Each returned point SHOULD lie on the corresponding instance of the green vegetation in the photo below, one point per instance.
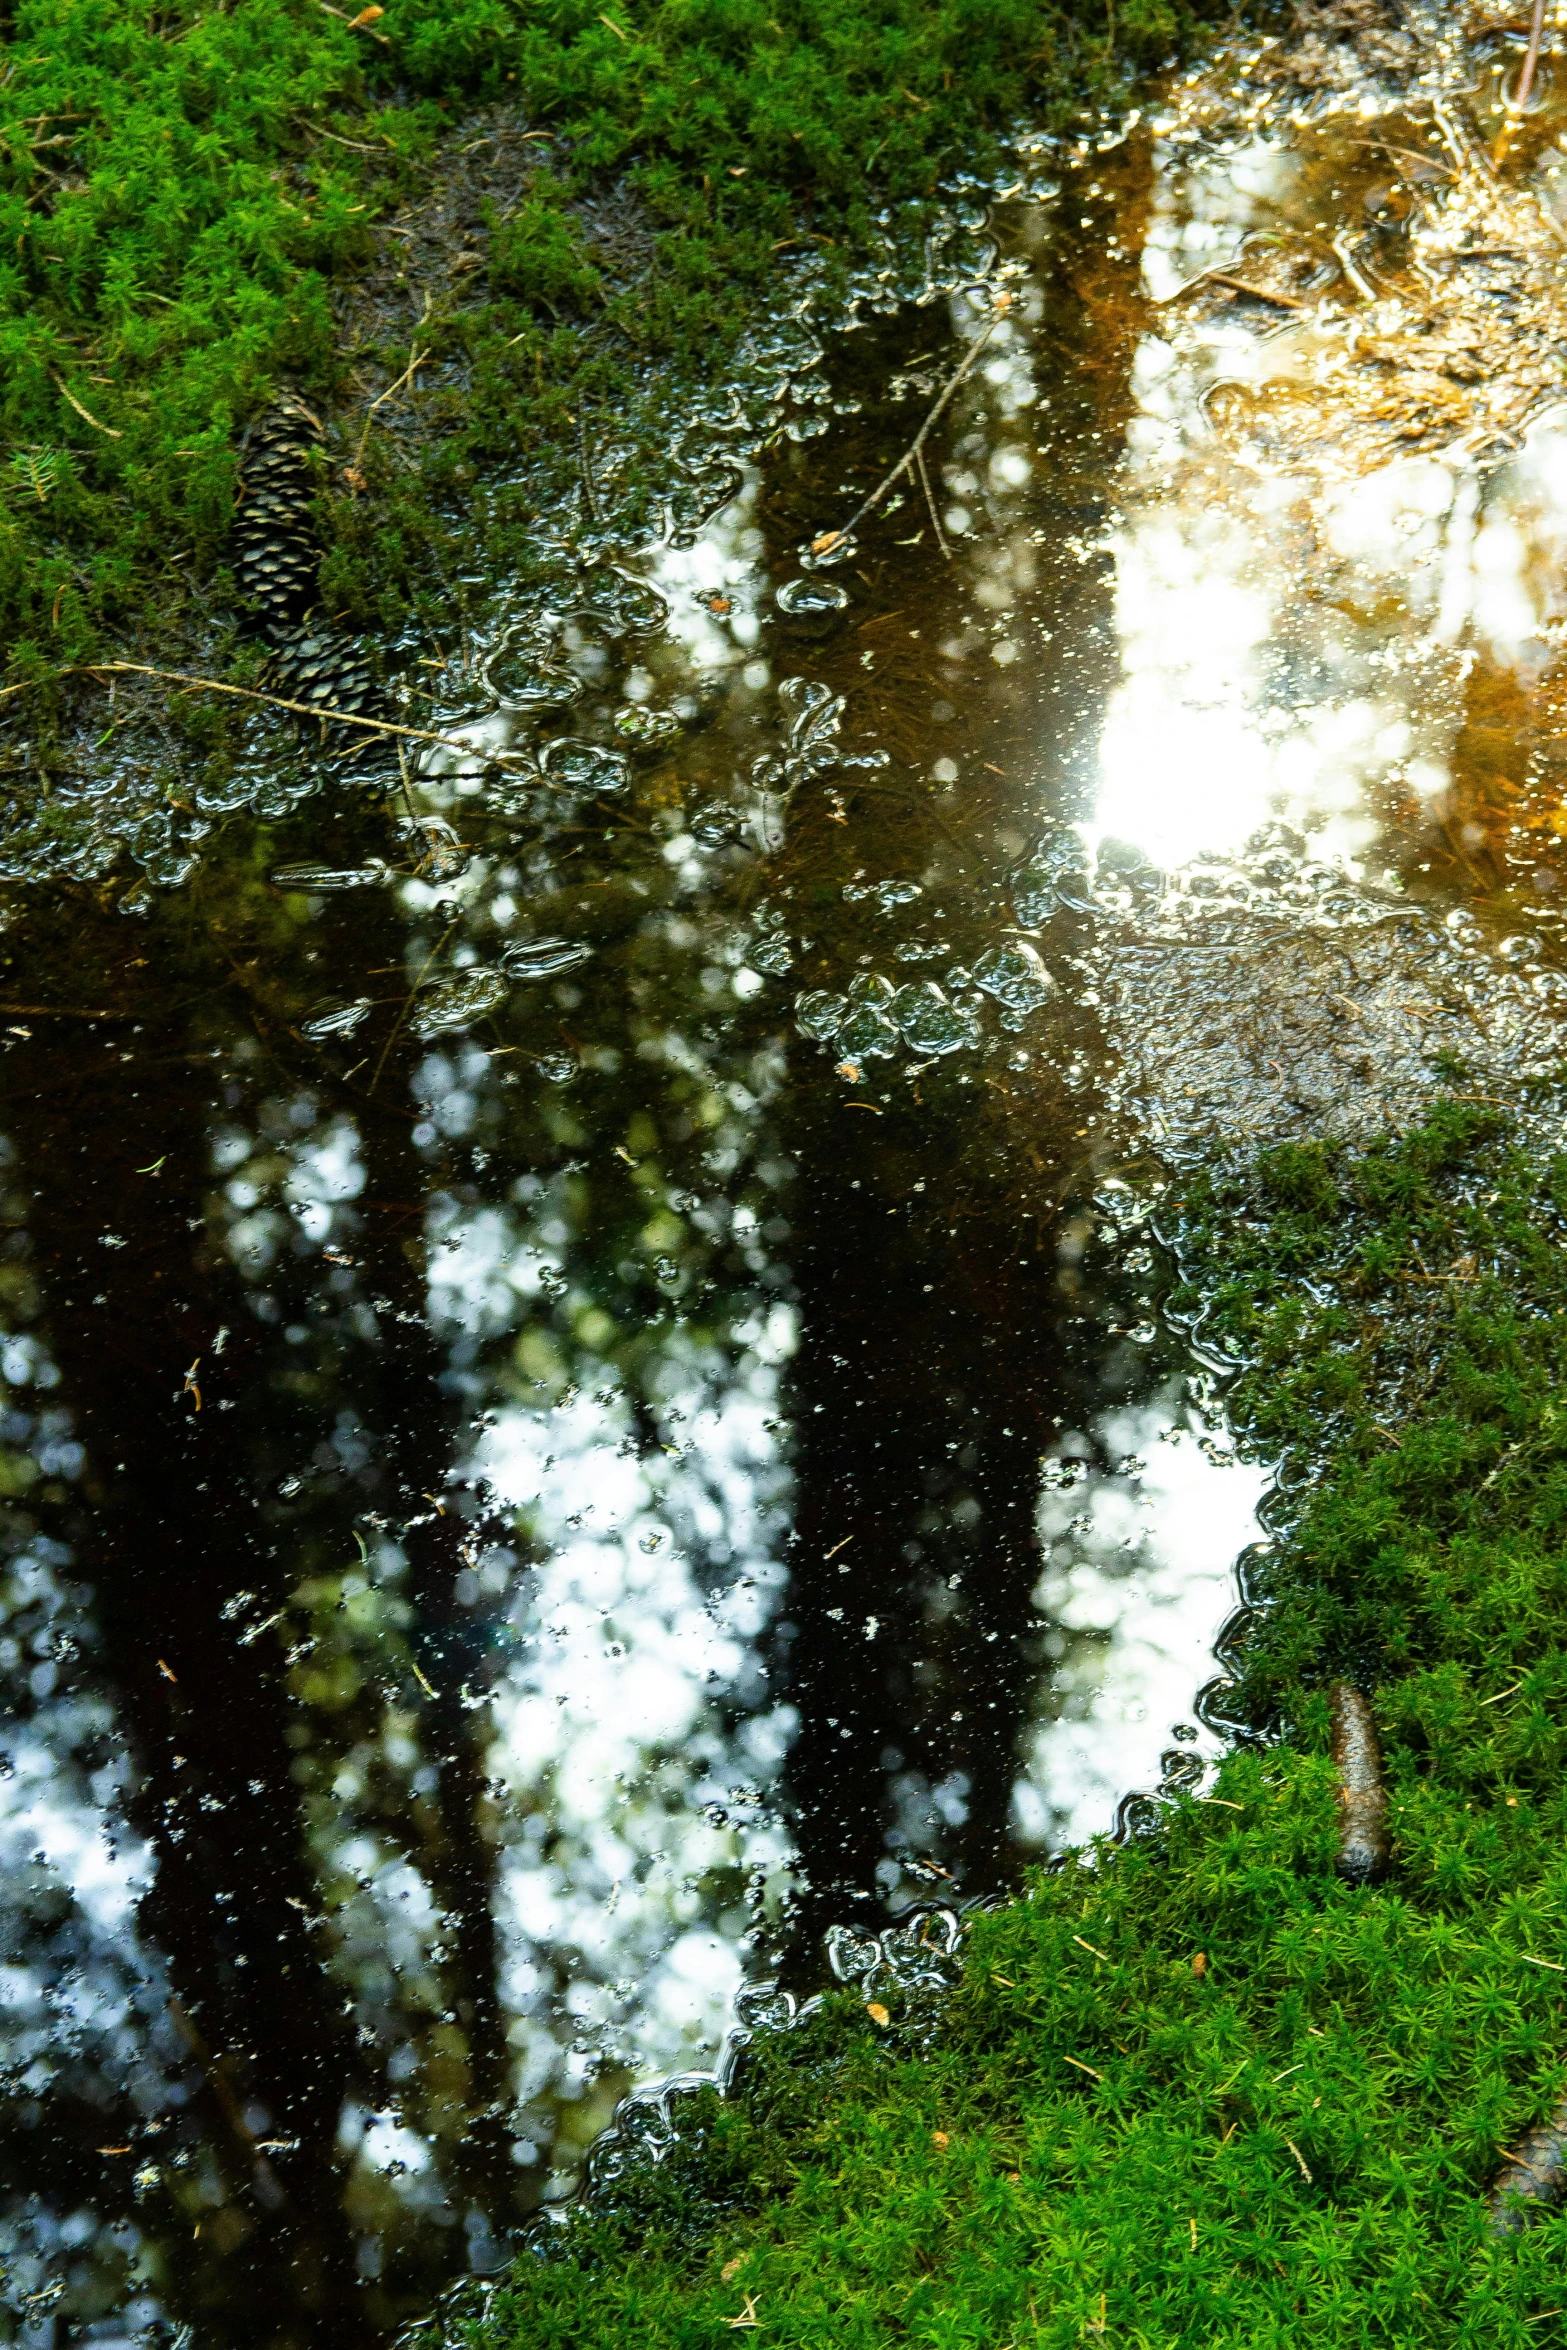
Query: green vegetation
(190, 196)
(1194, 2090)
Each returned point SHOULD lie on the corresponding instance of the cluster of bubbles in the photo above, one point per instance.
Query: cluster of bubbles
(874, 1020)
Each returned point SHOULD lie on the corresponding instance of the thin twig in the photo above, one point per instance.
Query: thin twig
(930, 500)
(318, 130)
(1220, 277)
(248, 693)
(416, 360)
(402, 769)
(910, 458)
(356, 24)
(1517, 104)
(64, 1012)
(589, 485)
(397, 1026)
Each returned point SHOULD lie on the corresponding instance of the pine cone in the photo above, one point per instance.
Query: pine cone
(276, 558)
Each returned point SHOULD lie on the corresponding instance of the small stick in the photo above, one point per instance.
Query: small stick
(589, 485)
(213, 685)
(1363, 1837)
(1534, 2180)
(911, 455)
(930, 500)
(63, 1012)
(416, 360)
(1517, 104)
(1220, 277)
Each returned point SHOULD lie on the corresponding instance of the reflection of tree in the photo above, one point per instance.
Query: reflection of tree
(188, 1545)
(935, 1357)
(914, 1549)
(175, 1532)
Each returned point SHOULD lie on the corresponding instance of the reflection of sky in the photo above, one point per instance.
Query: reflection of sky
(82, 2003)
(1289, 648)
(614, 1722)
(1139, 1576)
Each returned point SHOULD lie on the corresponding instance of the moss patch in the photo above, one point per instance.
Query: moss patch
(188, 196)
(1194, 2090)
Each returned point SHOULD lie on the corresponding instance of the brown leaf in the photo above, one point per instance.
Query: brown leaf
(366, 16)
(877, 2013)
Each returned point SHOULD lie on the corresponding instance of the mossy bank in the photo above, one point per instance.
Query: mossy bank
(1195, 2088)
(193, 203)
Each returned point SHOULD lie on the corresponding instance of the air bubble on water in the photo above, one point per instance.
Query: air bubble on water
(811, 708)
(931, 1024)
(1034, 900)
(869, 987)
(453, 1002)
(819, 1014)
(1015, 976)
(543, 958)
(809, 598)
(329, 1020)
(772, 955)
(645, 729)
(867, 1034)
(559, 1068)
(289, 1486)
(522, 675)
(585, 766)
(315, 878)
(620, 603)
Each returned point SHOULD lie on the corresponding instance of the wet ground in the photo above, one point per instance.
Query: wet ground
(587, 1394)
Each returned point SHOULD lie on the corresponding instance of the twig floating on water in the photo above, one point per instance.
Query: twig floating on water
(1220, 277)
(912, 456)
(249, 693)
(1531, 59)
(1363, 1839)
(589, 485)
(930, 500)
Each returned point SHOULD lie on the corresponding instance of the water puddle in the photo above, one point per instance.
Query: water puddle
(587, 1396)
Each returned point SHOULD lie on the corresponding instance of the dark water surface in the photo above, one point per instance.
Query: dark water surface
(549, 1459)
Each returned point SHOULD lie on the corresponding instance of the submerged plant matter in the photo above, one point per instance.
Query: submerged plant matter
(1195, 2087)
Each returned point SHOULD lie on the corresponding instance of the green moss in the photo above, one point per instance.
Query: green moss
(1194, 2090)
(537, 252)
(185, 193)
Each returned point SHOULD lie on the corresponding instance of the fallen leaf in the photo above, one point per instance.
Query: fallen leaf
(731, 2268)
(366, 16)
(940, 2138)
(877, 2013)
